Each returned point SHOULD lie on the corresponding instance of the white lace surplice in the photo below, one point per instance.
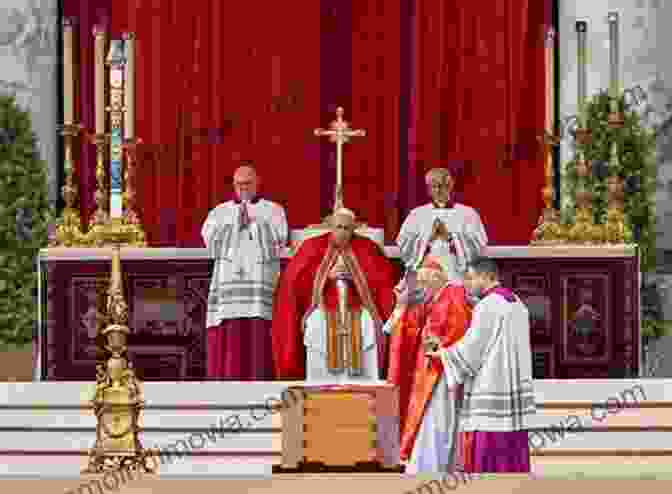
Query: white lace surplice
(247, 262)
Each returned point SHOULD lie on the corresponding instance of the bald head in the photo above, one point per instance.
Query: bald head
(440, 184)
(245, 181)
(342, 223)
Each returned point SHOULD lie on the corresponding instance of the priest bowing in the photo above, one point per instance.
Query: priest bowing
(331, 303)
(445, 229)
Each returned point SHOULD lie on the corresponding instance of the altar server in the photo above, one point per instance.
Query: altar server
(493, 362)
(445, 229)
(245, 236)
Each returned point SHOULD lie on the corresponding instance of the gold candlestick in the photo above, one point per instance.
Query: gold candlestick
(616, 228)
(584, 230)
(69, 227)
(104, 230)
(118, 400)
(100, 216)
(549, 230)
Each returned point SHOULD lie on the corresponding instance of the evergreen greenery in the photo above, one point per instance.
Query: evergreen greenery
(25, 214)
(636, 164)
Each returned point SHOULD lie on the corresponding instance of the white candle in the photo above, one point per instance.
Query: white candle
(129, 87)
(613, 52)
(68, 74)
(99, 56)
(581, 34)
(550, 82)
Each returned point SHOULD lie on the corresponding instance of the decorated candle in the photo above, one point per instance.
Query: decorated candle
(129, 86)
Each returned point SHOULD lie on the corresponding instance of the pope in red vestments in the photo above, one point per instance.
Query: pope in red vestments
(445, 315)
(308, 284)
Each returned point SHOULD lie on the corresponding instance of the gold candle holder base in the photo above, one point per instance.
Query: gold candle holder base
(116, 231)
(550, 230)
(584, 231)
(118, 397)
(69, 231)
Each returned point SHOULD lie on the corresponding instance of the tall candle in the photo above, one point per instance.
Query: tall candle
(612, 18)
(99, 56)
(68, 74)
(581, 35)
(129, 87)
(550, 81)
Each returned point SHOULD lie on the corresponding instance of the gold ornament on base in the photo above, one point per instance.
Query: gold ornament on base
(118, 398)
(69, 227)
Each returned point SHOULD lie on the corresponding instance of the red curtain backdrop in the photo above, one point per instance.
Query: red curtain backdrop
(432, 81)
(218, 83)
(478, 97)
(86, 14)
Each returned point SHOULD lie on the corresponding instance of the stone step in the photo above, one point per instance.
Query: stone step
(54, 466)
(549, 392)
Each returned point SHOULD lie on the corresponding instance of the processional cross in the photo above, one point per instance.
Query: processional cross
(340, 133)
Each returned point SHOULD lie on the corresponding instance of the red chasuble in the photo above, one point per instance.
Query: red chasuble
(447, 317)
(405, 343)
(304, 286)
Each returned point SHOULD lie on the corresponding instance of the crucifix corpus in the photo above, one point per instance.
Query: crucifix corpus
(339, 132)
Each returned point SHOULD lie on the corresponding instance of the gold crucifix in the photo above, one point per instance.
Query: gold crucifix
(340, 133)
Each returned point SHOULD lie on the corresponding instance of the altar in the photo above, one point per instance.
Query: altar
(583, 301)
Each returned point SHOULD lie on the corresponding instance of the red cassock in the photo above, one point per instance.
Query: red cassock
(304, 285)
(447, 317)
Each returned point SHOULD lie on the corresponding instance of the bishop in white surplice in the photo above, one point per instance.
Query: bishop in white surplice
(450, 231)
(245, 237)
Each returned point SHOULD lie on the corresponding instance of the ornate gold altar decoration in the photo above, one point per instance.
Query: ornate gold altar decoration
(118, 398)
(550, 230)
(616, 229)
(103, 224)
(69, 227)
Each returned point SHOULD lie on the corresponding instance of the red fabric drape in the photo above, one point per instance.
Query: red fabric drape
(371, 174)
(220, 82)
(217, 83)
(479, 97)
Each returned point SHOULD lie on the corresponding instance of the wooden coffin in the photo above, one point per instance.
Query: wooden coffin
(341, 425)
